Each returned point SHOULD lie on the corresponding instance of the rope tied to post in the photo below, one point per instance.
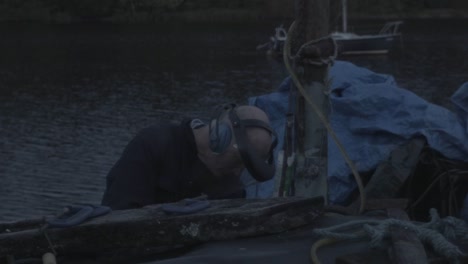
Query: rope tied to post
(321, 62)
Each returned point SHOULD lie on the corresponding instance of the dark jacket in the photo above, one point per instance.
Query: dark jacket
(159, 165)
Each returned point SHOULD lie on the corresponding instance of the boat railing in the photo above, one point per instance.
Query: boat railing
(391, 28)
(280, 33)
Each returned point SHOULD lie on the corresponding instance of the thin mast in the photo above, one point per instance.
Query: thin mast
(345, 15)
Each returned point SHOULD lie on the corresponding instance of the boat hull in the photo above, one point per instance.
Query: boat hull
(379, 44)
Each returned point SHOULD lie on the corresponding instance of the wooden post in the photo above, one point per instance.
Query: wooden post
(312, 18)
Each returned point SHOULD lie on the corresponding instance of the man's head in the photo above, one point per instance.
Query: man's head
(239, 137)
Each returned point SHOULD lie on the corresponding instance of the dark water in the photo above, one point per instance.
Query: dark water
(72, 96)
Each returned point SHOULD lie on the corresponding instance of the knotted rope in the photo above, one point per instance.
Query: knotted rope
(436, 233)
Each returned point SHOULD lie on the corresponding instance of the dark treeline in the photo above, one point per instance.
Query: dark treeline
(161, 10)
(114, 10)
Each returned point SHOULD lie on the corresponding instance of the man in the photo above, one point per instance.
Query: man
(169, 162)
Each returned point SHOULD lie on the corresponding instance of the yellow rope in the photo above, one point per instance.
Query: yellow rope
(323, 119)
(320, 243)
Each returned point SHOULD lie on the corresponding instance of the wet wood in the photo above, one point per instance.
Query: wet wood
(312, 18)
(371, 205)
(359, 258)
(390, 176)
(406, 247)
(150, 227)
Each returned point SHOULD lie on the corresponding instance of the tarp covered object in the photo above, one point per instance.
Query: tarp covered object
(371, 115)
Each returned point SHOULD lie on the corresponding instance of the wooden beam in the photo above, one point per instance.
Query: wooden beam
(150, 227)
(366, 257)
(390, 176)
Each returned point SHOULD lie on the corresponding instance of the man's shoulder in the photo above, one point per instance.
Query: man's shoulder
(162, 125)
(163, 130)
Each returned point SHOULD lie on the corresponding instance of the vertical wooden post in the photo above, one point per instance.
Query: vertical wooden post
(312, 18)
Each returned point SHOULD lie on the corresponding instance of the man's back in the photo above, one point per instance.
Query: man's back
(159, 165)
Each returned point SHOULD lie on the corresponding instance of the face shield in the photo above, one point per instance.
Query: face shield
(261, 168)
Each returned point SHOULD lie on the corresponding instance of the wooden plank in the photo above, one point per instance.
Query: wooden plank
(359, 258)
(390, 176)
(406, 249)
(150, 227)
(371, 205)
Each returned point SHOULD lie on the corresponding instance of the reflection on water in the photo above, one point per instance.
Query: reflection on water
(72, 96)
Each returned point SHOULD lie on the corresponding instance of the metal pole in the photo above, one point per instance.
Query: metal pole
(345, 15)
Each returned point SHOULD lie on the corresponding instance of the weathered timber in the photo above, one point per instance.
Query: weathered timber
(21, 225)
(371, 205)
(311, 174)
(390, 176)
(359, 258)
(406, 247)
(151, 227)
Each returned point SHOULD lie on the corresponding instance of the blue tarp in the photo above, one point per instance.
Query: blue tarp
(371, 116)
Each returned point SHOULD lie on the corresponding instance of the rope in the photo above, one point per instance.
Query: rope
(323, 119)
(322, 242)
(51, 245)
(43, 230)
(451, 227)
(436, 233)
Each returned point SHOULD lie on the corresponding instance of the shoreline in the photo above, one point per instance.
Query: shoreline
(222, 15)
(426, 14)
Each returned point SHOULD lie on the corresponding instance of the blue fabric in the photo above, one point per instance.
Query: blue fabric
(371, 116)
(78, 214)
